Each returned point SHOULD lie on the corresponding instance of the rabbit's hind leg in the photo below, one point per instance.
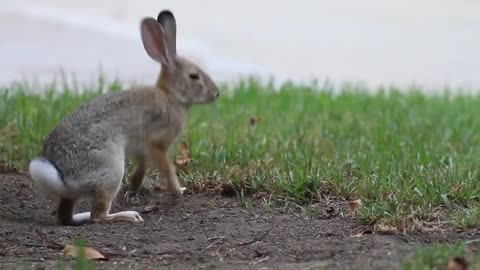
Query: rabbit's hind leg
(102, 203)
(65, 214)
(101, 211)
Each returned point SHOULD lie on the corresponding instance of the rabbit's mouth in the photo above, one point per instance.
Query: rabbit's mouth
(212, 97)
(208, 98)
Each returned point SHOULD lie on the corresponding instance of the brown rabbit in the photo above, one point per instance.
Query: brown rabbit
(84, 156)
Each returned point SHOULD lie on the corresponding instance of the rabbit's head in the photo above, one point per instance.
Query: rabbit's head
(187, 82)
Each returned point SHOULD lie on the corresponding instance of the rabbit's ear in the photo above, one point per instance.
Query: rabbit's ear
(167, 20)
(154, 41)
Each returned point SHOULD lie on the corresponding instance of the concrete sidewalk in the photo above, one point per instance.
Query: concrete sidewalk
(430, 42)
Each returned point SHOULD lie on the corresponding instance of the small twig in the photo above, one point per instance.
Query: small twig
(262, 260)
(42, 236)
(295, 214)
(158, 221)
(256, 239)
(52, 244)
(217, 240)
(472, 241)
(32, 260)
(438, 223)
(169, 253)
(40, 245)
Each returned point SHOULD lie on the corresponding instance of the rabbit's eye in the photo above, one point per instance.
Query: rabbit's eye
(194, 76)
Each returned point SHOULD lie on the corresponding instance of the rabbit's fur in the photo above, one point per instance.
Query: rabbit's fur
(84, 156)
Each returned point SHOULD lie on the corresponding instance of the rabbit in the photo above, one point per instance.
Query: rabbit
(84, 155)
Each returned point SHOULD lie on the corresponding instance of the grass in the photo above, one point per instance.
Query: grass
(408, 156)
(441, 256)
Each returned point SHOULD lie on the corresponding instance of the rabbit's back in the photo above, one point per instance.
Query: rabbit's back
(109, 128)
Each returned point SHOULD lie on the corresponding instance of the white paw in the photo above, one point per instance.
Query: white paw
(132, 216)
(182, 190)
(81, 217)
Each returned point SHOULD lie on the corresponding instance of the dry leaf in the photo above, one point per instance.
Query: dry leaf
(358, 235)
(7, 167)
(330, 210)
(183, 159)
(150, 208)
(457, 263)
(184, 156)
(260, 195)
(226, 189)
(254, 121)
(353, 206)
(401, 225)
(471, 249)
(385, 228)
(90, 253)
(362, 234)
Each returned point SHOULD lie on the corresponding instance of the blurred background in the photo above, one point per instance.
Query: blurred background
(432, 43)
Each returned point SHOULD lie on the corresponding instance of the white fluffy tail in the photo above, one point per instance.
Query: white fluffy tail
(47, 177)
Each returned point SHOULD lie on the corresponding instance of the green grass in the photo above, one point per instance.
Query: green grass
(436, 257)
(408, 156)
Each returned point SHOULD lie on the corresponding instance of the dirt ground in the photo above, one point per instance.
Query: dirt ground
(208, 231)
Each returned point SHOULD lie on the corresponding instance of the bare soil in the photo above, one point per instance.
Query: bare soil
(207, 231)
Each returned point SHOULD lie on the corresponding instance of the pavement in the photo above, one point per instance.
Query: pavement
(431, 43)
